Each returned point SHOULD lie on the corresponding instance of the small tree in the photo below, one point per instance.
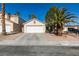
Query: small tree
(31, 16)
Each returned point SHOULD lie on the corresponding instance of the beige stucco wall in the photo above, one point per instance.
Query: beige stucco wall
(14, 18)
(11, 27)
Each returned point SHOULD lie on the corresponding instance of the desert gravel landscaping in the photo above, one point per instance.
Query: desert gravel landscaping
(64, 37)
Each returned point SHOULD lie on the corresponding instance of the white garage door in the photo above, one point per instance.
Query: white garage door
(7, 28)
(35, 29)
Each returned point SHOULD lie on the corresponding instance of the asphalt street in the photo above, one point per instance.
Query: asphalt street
(38, 51)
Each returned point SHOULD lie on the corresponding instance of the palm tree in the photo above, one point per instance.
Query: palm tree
(3, 19)
(58, 17)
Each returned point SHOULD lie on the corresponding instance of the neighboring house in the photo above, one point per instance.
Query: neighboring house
(34, 26)
(70, 26)
(13, 23)
(73, 26)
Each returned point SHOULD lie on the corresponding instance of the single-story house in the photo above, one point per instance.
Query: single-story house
(34, 26)
(73, 26)
(13, 23)
(70, 26)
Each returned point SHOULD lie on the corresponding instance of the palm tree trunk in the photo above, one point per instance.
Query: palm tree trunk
(56, 29)
(53, 28)
(3, 19)
(62, 29)
(50, 28)
(47, 30)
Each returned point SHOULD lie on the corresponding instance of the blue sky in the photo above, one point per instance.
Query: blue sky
(39, 9)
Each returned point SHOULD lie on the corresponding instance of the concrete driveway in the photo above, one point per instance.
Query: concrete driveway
(26, 39)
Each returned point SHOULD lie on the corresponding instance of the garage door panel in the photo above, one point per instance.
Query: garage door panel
(34, 29)
(7, 28)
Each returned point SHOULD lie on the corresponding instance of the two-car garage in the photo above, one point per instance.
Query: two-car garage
(35, 29)
(34, 26)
